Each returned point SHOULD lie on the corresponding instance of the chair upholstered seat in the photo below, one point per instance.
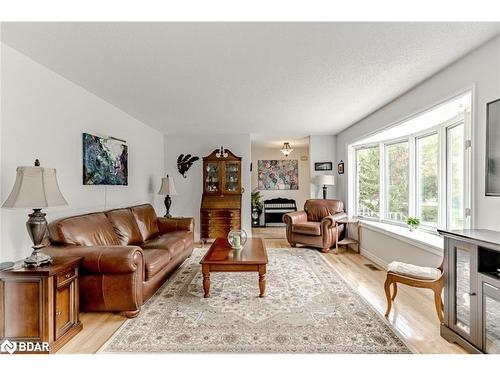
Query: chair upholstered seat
(311, 228)
(416, 272)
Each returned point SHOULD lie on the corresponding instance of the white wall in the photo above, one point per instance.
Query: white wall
(43, 116)
(190, 189)
(272, 153)
(383, 249)
(481, 70)
(323, 148)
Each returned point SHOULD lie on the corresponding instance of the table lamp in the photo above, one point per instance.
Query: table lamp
(36, 187)
(167, 188)
(324, 179)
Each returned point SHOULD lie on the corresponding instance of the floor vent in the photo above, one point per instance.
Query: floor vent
(372, 267)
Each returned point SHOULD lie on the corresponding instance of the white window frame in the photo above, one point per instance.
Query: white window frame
(356, 180)
(443, 189)
(386, 177)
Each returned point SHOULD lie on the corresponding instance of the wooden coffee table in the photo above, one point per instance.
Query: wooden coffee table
(222, 258)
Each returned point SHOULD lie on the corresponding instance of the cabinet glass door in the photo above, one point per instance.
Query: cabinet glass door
(212, 182)
(463, 301)
(462, 290)
(491, 324)
(232, 177)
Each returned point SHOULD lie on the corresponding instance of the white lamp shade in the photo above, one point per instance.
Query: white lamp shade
(324, 179)
(35, 187)
(167, 186)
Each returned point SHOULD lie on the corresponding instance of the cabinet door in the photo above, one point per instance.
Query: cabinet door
(64, 308)
(19, 319)
(232, 174)
(463, 299)
(212, 177)
(491, 318)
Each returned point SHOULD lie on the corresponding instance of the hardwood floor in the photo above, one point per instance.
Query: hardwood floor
(413, 315)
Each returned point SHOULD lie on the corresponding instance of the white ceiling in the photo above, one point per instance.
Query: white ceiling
(271, 140)
(292, 79)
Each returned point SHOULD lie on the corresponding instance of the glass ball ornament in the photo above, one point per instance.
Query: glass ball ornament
(237, 238)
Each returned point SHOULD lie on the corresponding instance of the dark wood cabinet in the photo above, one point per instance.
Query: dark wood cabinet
(221, 201)
(472, 289)
(41, 305)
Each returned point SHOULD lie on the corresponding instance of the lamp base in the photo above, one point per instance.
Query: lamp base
(37, 258)
(37, 229)
(168, 203)
(325, 189)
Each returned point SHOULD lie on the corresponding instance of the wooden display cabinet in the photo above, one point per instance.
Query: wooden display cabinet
(221, 201)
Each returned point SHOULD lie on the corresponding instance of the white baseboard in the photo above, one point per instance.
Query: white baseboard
(375, 259)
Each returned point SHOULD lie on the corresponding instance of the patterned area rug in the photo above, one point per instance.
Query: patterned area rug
(308, 308)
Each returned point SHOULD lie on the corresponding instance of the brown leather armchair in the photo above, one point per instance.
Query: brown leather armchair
(316, 225)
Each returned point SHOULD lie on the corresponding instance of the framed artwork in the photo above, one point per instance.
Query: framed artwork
(278, 174)
(340, 167)
(493, 148)
(105, 161)
(323, 166)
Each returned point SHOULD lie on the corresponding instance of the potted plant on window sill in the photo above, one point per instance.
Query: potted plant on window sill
(413, 223)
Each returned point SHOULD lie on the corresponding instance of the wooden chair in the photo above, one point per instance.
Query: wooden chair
(416, 276)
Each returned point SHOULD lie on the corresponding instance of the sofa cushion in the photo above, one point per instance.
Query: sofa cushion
(145, 216)
(174, 242)
(317, 209)
(308, 227)
(155, 260)
(84, 230)
(125, 226)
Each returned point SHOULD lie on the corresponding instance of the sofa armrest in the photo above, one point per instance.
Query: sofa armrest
(331, 220)
(102, 259)
(166, 224)
(294, 217)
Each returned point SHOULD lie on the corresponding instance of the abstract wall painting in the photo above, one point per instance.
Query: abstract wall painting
(105, 161)
(278, 175)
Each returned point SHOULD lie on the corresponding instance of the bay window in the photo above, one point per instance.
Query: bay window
(417, 168)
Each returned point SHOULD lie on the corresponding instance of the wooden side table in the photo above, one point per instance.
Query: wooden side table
(41, 305)
(348, 239)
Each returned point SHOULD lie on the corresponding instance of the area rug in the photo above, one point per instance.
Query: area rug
(308, 308)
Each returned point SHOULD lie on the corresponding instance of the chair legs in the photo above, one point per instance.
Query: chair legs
(439, 304)
(387, 288)
(438, 301)
(395, 291)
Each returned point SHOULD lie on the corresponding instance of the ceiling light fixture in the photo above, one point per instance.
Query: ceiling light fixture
(286, 149)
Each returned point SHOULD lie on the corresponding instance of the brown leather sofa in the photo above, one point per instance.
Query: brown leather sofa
(128, 253)
(316, 225)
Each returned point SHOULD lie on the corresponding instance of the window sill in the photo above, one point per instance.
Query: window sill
(426, 241)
